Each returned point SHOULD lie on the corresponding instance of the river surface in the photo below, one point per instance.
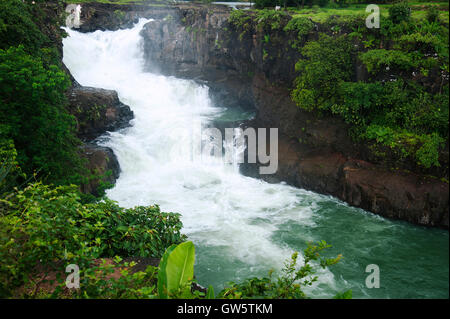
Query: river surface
(241, 226)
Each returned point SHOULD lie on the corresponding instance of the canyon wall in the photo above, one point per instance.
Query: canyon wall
(256, 70)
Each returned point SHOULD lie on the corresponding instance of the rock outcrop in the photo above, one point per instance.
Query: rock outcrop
(110, 16)
(97, 111)
(102, 162)
(394, 194)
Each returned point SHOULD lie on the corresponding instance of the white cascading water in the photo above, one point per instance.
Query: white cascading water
(219, 207)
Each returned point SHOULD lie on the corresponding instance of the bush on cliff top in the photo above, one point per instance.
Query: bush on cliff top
(400, 114)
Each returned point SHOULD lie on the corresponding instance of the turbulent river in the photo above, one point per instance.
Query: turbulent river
(241, 226)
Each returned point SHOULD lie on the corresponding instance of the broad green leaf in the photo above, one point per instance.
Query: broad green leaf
(344, 295)
(180, 266)
(176, 268)
(162, 275)
(210, 293)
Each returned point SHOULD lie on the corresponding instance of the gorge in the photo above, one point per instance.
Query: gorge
(241, 225)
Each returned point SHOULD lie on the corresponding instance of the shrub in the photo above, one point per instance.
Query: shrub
(261, 4)
(9, 167)
(302, 26)
(398, 113)
(287, 286)
(241, 21)
(17, 26)
(46, 225)
(33, 111)
(423, 148)
(322, 3)
(33, 114)
(327, 62)
(381, 59)
(433, 14)
(269, 19)
(400, 12)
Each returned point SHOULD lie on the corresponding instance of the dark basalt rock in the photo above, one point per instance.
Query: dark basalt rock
(100, 160)
(400, 195)
(104, 16)
(97, 111)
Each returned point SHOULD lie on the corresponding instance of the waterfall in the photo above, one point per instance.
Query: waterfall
(241, 226)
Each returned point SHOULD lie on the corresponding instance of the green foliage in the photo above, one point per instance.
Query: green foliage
(301, 27)
(119, 14)
(98, 281)
(327, 62)
(390, 108)
(433, 14)
(210, 293)
(9, 167)
(379, 59)
(176, 271)
(424, 147)
(289, 285)
(398, 115)
(400, 12)
(33, 110)
(51, 225)
(17, 26)
(344, 295)
(241, 21)
(261, 4)
(33, 114)
(269, 19)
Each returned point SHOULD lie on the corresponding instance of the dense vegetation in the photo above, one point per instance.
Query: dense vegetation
(43, 227)
(45, 222)
(34, 121)
(403, 102)
(260, 4)
(399, 105)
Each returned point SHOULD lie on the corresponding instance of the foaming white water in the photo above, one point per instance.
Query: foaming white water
(219, 206)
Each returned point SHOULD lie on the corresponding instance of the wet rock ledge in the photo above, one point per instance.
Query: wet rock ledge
(98, 111)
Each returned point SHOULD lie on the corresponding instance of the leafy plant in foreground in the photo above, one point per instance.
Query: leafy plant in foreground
(290, 284)
(43, 226)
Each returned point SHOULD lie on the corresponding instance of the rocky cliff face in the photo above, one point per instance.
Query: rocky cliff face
(109, 16)
(256, 70)
(97, 111)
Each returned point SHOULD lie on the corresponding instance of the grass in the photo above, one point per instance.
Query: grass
(322, 14)
(149, 2)
(316, 14)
